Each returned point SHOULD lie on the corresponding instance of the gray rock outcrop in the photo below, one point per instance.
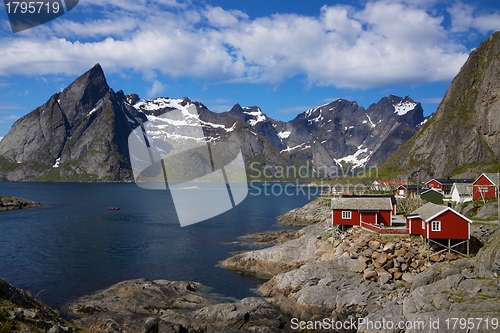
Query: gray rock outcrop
(143, 306)
(313, 212)
(12, 203)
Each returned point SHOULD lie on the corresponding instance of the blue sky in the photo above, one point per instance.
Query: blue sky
(284, 56)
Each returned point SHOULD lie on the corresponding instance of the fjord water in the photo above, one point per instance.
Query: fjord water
(75, 245)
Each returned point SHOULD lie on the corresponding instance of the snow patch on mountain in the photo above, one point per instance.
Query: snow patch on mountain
(370, 120)
(161, 103)
(259, 116)
(284, 135)
(403, 108)
(178, 123)
(56, 164)
(356, 160)
(302, 146)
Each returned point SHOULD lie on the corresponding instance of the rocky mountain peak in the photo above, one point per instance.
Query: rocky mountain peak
(250, 114)
(461, 137)
(84, 93)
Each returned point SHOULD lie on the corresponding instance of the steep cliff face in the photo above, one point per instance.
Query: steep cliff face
(79, 134)
(463, 133)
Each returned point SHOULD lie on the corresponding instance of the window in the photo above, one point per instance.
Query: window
(346, 215)
(423, 225)
(436, 226)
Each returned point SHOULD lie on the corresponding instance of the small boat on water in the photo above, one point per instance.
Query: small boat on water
(114, 208)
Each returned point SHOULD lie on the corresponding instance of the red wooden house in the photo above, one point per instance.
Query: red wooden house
(445, 184)
(354, 210)
(438, 222)
(485, 186)
(404, 190)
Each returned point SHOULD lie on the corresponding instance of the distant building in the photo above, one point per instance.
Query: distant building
(432, 195)
(404, 190)
(485, 186)
(445, 185)
(461, 192)
(387, 185)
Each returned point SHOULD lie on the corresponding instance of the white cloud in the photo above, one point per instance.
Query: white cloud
(464, 18)
(219, 17)
(157, 89)
(94, 28)
(386, 42)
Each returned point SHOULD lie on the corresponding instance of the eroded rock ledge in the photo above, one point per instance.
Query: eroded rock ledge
(311, 213)
(12, 203)
(170, 307)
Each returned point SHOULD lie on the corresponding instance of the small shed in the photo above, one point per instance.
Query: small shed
(404, 190)
(461, 192)
(355, 210)
(485, 186)
(432, 195)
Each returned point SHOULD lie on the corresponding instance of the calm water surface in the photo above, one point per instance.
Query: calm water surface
(75, 245)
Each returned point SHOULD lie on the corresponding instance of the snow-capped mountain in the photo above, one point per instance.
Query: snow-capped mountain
(81, 133)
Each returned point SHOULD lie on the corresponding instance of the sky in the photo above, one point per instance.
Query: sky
(285, 56)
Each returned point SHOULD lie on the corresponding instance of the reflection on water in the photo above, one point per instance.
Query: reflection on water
(75, 245)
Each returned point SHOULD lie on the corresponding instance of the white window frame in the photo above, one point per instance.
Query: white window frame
(346, 215)
(423, 225)
(436, 226)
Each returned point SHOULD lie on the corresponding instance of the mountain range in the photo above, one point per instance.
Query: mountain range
(80, 134)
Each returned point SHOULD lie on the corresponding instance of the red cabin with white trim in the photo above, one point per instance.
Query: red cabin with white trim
(438, 222)
(485, 186)
(354, 210)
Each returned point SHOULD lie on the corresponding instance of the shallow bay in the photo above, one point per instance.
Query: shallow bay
(75, 245)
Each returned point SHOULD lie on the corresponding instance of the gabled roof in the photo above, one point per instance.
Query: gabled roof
(492, 177)
(463, 189)
(430, 211)
(410, 187)
(450, 181)
(427, 190)
(356, 203)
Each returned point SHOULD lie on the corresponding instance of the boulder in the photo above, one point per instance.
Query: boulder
(488, 258)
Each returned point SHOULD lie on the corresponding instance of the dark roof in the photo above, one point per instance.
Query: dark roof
(450, 181)
(360, 203)
(427, 190)
(411, 187)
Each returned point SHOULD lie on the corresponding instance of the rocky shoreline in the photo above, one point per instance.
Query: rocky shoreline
(358, 274)
(12, 203)
(311, 213)
(313, 273)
